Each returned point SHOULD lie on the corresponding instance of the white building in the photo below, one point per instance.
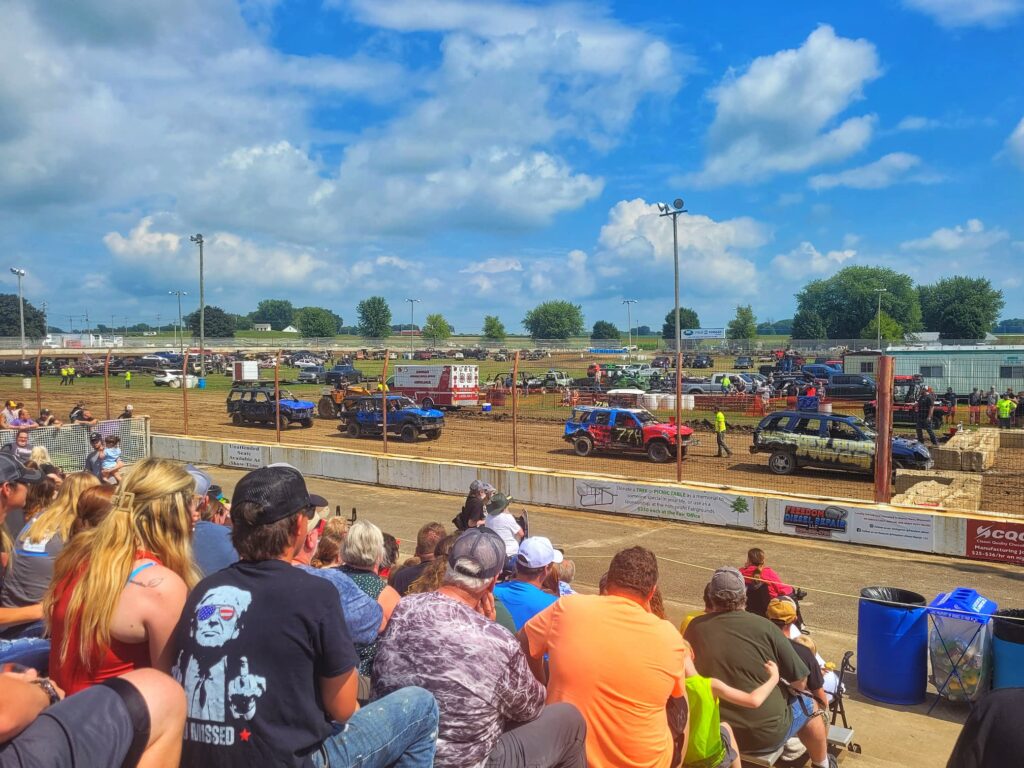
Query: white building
(263, 327)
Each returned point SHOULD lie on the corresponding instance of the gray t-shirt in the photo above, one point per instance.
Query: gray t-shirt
(30, 571)
(94, 464)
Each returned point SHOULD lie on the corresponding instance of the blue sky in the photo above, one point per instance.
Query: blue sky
(486, 156)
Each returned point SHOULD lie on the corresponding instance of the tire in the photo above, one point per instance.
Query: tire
(325, 408)
(782, 463)
(583, 445)
(352, 429)
(427, 403)
(237, 420)
(658, 451)
(306, 423)
(435, 435)
(409, 433)
(174, 383)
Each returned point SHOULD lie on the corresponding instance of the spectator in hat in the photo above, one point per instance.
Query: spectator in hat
(82, 415)
(94, 461)
(617, 662)
(472, 513)
(8, 414)
(128, 412)
(266, 660)
(782, 613)
(426, 541)
(20, 448)
(523, 595)
(211, 540)
(47, 419)
(732, 644)
(503, 523)
(491, 708)
(119, 588)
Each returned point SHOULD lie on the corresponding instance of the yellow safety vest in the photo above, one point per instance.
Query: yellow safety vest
(719, 422)
(127, 375)
(1005, 407)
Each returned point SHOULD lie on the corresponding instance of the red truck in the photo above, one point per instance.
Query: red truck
(905, 391)
(437, 386)
(623, 430)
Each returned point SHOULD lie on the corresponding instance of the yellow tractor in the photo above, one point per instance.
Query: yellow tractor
(333, 400)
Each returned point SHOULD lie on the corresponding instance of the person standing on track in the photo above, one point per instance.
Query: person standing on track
(723, 449)
(127, 379)
(925, 414)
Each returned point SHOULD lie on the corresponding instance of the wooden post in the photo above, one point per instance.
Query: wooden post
(39, 389)
(277, 395)
(106, 383)
(382, 388)
(515, 410)
(883, 423)
(184, 390)
(679, 412)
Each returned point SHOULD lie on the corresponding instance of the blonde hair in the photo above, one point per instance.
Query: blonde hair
(59, 516)
(40, 455)
(807, 642)
(150, 514)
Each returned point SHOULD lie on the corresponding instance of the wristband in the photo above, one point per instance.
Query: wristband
(48, 689)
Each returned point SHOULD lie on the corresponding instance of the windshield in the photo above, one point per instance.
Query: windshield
(287, 395)
(863, 427)
(645, 417)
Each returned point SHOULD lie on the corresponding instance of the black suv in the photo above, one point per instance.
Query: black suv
(703, 361)
(343, 374)
(255, 404)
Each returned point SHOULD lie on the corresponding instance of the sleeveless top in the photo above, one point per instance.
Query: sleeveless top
(704, 748)
(372, 585)
(111, 662)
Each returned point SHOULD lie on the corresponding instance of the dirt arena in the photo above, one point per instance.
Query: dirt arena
(487, 438)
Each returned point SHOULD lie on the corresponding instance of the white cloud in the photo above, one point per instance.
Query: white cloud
(493, 265)
(971, 237)
(890, 169)
(917, 123)
(779, 115)
(805, 259)
(1015, 144)
(142, 241)
(968, 13)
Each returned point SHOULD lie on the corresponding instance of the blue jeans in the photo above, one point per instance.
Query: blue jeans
(31, 652)
(397, 730)
(800, 717)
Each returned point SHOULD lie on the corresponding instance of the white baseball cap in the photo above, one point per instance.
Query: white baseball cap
(536, 552)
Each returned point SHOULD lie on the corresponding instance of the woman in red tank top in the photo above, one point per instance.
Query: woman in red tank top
(119, 588)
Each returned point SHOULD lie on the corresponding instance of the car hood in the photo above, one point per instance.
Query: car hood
(424, 413)
(298, 404)
(668, 430)
(904, 447)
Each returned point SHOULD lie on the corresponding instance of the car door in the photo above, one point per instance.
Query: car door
(811, 447)
(626, 431)
(261, 406)
(848, 446)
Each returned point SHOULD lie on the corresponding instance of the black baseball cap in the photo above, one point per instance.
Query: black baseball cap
(483, 548)
(13, 471)
(95, 436)
(279, 491)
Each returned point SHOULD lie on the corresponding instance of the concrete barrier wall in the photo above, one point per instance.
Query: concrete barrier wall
(978, 537)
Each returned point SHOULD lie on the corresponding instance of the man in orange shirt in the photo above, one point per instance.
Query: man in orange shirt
(616, 661)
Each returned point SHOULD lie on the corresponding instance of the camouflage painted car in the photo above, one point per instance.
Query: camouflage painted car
(623, 430)
(255, 404)
(830, 441)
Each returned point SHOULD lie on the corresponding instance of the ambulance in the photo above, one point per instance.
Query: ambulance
(438, 386)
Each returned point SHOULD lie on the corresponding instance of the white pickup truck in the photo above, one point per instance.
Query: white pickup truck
(713, 384)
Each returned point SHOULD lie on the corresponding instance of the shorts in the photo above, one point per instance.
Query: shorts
(731, 752)
(101, 727)
(800, 717)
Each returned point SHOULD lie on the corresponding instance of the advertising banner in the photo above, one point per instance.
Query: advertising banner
(666, 503)
(893, 529)
(856, 525)
(702, 333)
(244, 456)
(813, 521)
(1000, 541)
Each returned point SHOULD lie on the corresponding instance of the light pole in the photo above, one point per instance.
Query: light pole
(676, 209)
(198, 240)
(412, 320)
(880, 291)
(181, 331)
(629, 327)
(21, 306)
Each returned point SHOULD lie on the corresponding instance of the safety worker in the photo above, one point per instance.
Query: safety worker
(71, 375)
(723, 449)
(127, 379)
(382, 385)
(726, 383)
(63, 375)
(1005, 408)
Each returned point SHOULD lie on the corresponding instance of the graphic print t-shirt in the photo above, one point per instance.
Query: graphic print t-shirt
(252, 644)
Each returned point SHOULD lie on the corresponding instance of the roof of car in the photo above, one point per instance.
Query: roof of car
(811, 414)
(608, 408)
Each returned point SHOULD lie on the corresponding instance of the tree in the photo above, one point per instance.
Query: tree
(278, 312)
(374, 317)
(242, 322)
(436, 328)
(554, 320)
(605, 330)
(807, 324)
(687, 319)
(847, 301)
(317, 322)
(891, 330)
(1010, 325)
(642, 330)
(494, 329)
(744, 325)
(10, 320)
(960, 307)
(217, 324)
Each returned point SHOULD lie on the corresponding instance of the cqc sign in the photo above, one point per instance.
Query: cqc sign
(999, 541)
(702, 333)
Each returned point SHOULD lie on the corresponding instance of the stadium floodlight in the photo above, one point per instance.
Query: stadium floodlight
(629, 327)
(198, 240)
(662, 208)
(677, 204)
(20, 273)
(412, 320)
(181, 331)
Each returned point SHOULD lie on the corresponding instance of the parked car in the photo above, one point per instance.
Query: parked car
(702, 361)
(714, 383)
(743, 362)
(255, 404)
(314, 374)
(796, 439)
(553, 379)
(850, 386)
(661, 361)
(172, 379)
(363, 416)
(623, 430)
(343, 374)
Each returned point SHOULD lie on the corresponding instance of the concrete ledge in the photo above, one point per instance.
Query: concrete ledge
(1011, 438)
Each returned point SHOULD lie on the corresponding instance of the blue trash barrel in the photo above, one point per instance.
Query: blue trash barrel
(892, 645)
(201, 384)
(1008, 649)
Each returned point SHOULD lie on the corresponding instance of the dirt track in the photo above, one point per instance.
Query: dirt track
(488, 439)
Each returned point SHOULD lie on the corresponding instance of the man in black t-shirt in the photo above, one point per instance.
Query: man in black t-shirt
(472, 513)
(426, 540)
(925, 414)
(992, 736)
(267, 662)
(782, 613)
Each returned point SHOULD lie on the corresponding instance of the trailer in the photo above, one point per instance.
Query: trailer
(432, 386)
(961, 367)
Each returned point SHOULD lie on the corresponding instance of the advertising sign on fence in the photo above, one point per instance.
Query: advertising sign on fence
(999, 541)
(666, 503)
(243, 456)
(877, 527)
(702, 333)
(893, 529)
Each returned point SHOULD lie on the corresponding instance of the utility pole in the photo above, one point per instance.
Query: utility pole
(198, 240)
(46, 325)
(181, 330)
(159, 327)
(20, 273)
(880, 291)
(629, 327)
(412, 320)
(71, 323)
(675, 211)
